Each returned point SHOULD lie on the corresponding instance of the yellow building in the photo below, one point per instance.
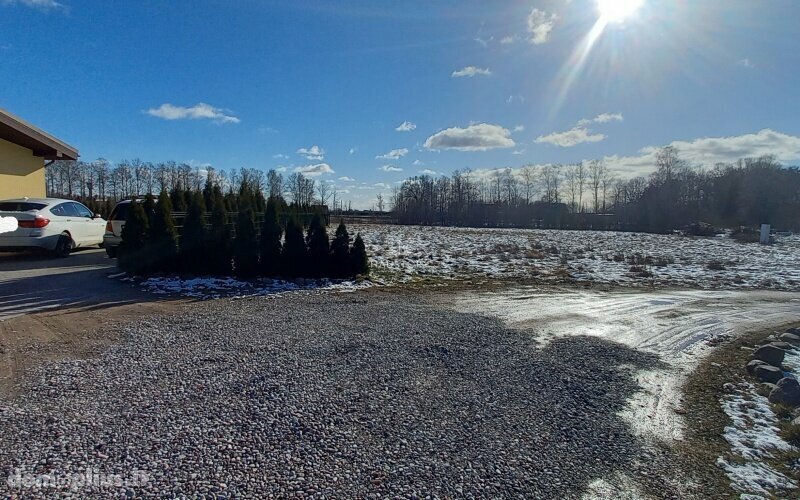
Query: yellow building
(24, 149)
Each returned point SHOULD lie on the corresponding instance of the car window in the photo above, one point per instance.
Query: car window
(120, 212)
(82, 211)
(64, 210)
(20, 206)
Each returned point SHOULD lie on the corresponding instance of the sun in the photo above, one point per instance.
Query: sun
(617, 11)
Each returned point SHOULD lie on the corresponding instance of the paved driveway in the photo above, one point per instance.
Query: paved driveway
(32, 283)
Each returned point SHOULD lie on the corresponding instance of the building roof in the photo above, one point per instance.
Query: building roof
(16, 130)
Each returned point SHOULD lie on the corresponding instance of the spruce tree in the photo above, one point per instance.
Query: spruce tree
(149, 208)
(358, 257)
(271, 232)
(340, 253)
(245, 247)
(163, 237)
(319, 248)
(178, 198)
(193, 237)
(218, 246)
(294, 250)
(132, 253)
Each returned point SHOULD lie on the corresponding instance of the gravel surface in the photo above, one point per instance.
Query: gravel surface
(364, 394)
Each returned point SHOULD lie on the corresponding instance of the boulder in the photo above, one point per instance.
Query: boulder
(751, 365)
(787, 392)
(791, 338)
(768, 373)
(782, 345)
(770, 355)
(795, 331)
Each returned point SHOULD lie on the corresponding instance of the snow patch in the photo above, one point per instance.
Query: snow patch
(213, 288)
(754, 478)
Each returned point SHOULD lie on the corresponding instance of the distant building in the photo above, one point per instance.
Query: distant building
(23, 152)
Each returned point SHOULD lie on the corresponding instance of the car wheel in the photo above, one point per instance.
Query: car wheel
(111, 252)
(63, 246)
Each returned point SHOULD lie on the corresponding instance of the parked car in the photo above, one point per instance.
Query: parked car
(116, 221)
(50, 224)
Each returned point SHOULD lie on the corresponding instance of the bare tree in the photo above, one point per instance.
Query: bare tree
(324, 192)
(379, 202)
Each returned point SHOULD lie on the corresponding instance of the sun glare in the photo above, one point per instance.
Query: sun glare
(617, 11)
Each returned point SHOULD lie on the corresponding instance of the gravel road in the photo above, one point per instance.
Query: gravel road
(365, 394)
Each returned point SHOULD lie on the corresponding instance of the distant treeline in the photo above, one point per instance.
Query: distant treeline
(100, 184)
(586, 196)
(151, 243)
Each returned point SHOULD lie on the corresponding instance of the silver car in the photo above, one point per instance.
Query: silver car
(50, 224)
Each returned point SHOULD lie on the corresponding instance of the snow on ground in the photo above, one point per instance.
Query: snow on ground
(679, 326)
(754, 433)
(601, 257)
(213, 288)
(755, 479)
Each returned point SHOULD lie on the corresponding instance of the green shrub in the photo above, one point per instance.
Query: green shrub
(132, 256)
(294, 250)
(193, 238)
(163, 239)
(245, 246)
(218, 245)
(270, 244)
(358, 257)
(340, 253)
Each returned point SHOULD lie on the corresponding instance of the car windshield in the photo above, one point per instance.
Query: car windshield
(20, 206)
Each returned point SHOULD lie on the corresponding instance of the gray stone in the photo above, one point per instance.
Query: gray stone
(795, 331)
(791, 338)
(751, 365)
(770, 355)
(768, 373)
(782, 345)
(787, 392)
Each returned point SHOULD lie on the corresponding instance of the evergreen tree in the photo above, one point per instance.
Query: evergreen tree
(218, 245)
(132, 253)
(149, 208)
(163, 237)
(245, 247)
(193, 237)
(294, 250)
(358, 257)
(271, 232)
(340, 253)
(178, 198)
(319, 248)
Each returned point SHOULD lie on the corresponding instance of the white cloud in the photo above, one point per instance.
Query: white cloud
(200, 111)
(281, 168)
(315, 170)
(381, 185)
(608, 117)
(352, 151)
(570, 138)
(508, 40)
(346, 179)
(406, 127)
(315, 153)
(478, 137)
(512, 98)
(518, 152)
(709, 151)
(264, 130)
(417, 163)
(745, 63)
(540, 24)
(484, 42)
(36, 4)
(394, 154)
(428, 172)
(280, 156)
(471, 71)
(519, 128)
(390, 168)
(8, 224)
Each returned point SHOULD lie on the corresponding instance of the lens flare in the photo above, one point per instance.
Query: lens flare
(616, 11)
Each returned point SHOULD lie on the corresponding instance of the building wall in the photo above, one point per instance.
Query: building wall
(21, 173)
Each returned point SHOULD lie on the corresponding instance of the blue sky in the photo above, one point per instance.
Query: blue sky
(482, 84)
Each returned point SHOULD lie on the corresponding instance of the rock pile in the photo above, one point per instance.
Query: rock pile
(766, 365)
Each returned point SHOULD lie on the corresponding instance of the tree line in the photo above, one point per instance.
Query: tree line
(151, 243)
(587, 195)
(100, 184)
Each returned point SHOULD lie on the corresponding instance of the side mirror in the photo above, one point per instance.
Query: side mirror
(97, 216)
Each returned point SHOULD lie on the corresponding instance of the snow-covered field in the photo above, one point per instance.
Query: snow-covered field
(602, 257)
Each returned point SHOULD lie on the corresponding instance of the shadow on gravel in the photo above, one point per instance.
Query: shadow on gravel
(337, 395)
